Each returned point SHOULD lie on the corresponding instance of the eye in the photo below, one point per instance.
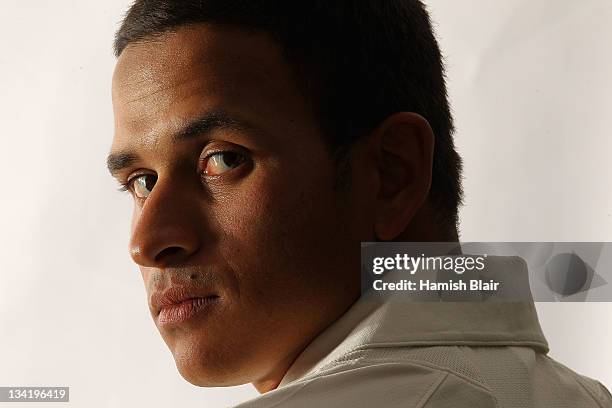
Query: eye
(218, 163)
(141, 186)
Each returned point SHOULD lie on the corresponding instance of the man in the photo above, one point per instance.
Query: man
(262, 142)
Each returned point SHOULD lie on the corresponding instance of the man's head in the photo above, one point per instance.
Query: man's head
(262, 142)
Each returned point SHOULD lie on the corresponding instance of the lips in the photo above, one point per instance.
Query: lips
(179, 304)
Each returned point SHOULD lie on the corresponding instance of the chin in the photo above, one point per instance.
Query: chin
(206, 367)
(205, 378)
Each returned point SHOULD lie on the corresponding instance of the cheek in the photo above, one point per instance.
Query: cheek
(281, 234)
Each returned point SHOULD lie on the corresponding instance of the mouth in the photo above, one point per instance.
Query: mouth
(178, 305)
(184, 311)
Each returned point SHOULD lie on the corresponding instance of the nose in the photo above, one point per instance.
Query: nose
(166, 228)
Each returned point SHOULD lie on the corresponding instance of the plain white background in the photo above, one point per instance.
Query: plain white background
(530, 84)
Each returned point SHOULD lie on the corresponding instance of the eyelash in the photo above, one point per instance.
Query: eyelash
(125, 187)
(204, 160)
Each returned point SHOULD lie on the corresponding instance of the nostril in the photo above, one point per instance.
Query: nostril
(168, 253)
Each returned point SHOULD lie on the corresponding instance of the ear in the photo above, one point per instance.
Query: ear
(404, 146)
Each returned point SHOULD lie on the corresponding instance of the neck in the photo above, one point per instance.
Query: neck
(272, 379)
(425, 227)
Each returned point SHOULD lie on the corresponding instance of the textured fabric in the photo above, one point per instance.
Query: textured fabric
(425, 354)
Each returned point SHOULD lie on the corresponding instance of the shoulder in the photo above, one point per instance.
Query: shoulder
(593, 388)
(361, 383)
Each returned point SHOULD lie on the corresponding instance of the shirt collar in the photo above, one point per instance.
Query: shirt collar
(373, 323)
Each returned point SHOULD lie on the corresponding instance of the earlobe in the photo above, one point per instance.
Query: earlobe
(405, 143)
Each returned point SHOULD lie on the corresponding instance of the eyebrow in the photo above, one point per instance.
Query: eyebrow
(210, 121)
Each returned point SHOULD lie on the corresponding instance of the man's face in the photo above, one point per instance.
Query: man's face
(246, 249)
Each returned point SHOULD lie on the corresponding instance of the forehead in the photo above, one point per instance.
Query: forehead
(189, 52)
(177, 75)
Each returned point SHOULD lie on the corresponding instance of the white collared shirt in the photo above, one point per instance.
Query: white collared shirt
(433, 355)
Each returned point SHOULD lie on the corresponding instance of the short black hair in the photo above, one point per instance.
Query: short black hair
(359, 61)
